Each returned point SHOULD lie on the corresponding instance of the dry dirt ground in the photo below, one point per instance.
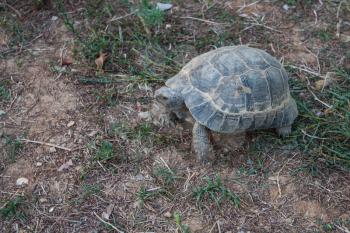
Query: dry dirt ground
(148, 185)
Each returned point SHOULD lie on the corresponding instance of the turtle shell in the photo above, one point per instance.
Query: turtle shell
(236, 88)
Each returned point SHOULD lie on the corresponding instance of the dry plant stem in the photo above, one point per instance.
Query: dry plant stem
(312, 136)
(122, 17)
(12, 8)
(317, 99)
(46, 144)
(245, 6)
(109, 224)
(148, 32)
(342, 228)
(203, 20)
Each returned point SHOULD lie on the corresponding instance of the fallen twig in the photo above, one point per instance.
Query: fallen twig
(46, 144)
(342, 228)
(114, 18)
(312, 136)
(109, 224)
(203, 20)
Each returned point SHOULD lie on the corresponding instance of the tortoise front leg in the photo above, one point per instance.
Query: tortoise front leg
(201, 142)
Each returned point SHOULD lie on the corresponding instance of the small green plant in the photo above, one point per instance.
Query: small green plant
(12, 147)
(143, 194)
(324, 35)
(166, 175)
(180, 226)
(104, 152)
(291, 2)
(90, 189)
(4, 93)
(12, 209)
(321, 132)
(151, 15)
(215, 191)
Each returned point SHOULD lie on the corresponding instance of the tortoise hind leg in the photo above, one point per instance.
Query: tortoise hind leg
(284, 131)
(201, 142)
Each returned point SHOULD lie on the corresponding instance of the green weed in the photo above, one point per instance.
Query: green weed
(12, 209)
(324, 35)
(151, 15)
(183, 228)
(105, 152)
(88, 189)
(143, 194)
(5, 94)
(166, 175)
(215, 191)
(325, 133)
(12, 147)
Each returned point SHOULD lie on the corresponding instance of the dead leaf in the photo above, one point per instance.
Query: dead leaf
(66, 61)
(100, 61)
(66, 165)
(138, 106)
(328, 80)
(108, 212)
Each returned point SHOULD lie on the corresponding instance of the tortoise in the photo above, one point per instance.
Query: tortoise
(231, 89)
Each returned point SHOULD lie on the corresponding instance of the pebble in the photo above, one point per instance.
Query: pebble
(38, 164)
(164, 6)
(70, 124)
(22, 181)
(167, 215)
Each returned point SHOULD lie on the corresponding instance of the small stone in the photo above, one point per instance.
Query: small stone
(144, 115)
(42, 200)
(167, 215)
(51, 209)
(22, 181)
(164, 6)
(54, 18)
(167, 26)
(70, 124)
(93, 133)
(285, 7)
(38, 164)
(2, 112)
(52, 150)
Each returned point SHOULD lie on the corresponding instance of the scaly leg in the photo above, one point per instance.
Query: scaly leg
(284, 131)
(201, 142)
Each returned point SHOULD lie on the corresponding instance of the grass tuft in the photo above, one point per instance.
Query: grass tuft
(12, 209)
(215, 191)
(105, 152)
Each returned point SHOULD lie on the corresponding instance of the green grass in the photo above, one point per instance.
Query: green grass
(322, 133)
(12, 209)
(183, 228)
(105, 152)
(167, 176)
(5, 94)
(12, 147)
(214, 190)
(144, 195)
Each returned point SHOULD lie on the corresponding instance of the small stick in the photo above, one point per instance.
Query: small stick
(46, 144)
(109, 224)
(251, 4)
(312, 136)
(121, 17)
(12, 8)
(342, 228)
(203, 20)
(317, 99)
(306, 70)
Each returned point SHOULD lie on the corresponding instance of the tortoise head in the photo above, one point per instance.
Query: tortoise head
(169, 98)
